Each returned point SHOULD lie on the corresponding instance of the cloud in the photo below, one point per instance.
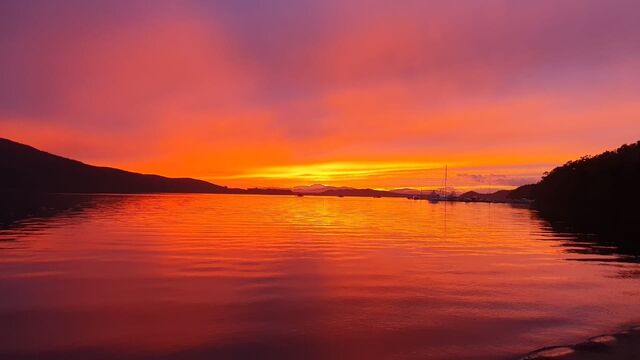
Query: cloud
(221, 89)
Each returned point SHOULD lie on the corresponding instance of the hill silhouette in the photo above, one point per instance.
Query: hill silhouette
(317, 188)
(498, 196)
(29, 169)
(523, 192)
(358, 192)
(594, 193)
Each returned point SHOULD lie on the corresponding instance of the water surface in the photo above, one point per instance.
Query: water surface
(238, 276)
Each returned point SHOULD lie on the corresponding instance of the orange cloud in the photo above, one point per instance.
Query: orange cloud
(378, 98)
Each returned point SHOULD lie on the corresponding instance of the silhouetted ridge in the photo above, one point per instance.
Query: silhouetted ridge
(594, 193)
(523, 192)
(26, 168)
(498, 196)
(359, 192)
(267, 191)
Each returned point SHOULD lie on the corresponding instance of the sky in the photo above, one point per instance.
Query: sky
(278, 93)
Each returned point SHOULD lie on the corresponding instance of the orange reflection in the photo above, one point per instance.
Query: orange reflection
(180, 275)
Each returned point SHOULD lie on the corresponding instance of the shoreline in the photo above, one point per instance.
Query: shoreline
(621, 345)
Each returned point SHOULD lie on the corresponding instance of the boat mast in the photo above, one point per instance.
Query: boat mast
(445, 183)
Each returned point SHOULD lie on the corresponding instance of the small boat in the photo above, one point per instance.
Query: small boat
(433, 197)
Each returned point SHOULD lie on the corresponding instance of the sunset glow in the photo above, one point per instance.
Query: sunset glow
(382, 95)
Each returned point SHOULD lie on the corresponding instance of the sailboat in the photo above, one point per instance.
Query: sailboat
(434, 197)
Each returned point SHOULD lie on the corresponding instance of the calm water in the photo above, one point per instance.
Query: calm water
(222, 276)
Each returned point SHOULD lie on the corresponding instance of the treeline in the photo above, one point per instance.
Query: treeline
(594, 193)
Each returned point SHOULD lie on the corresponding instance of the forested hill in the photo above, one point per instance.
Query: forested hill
(595, 193)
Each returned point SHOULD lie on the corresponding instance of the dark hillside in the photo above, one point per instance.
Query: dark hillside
(595, 193)
(25, 168)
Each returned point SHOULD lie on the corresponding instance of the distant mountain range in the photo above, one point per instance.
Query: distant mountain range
(406, 191)
(316, 188)
(29, 169)
(498, 196)
(325, 190)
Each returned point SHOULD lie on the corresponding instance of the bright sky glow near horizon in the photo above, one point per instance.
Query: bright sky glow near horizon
(359, 93)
